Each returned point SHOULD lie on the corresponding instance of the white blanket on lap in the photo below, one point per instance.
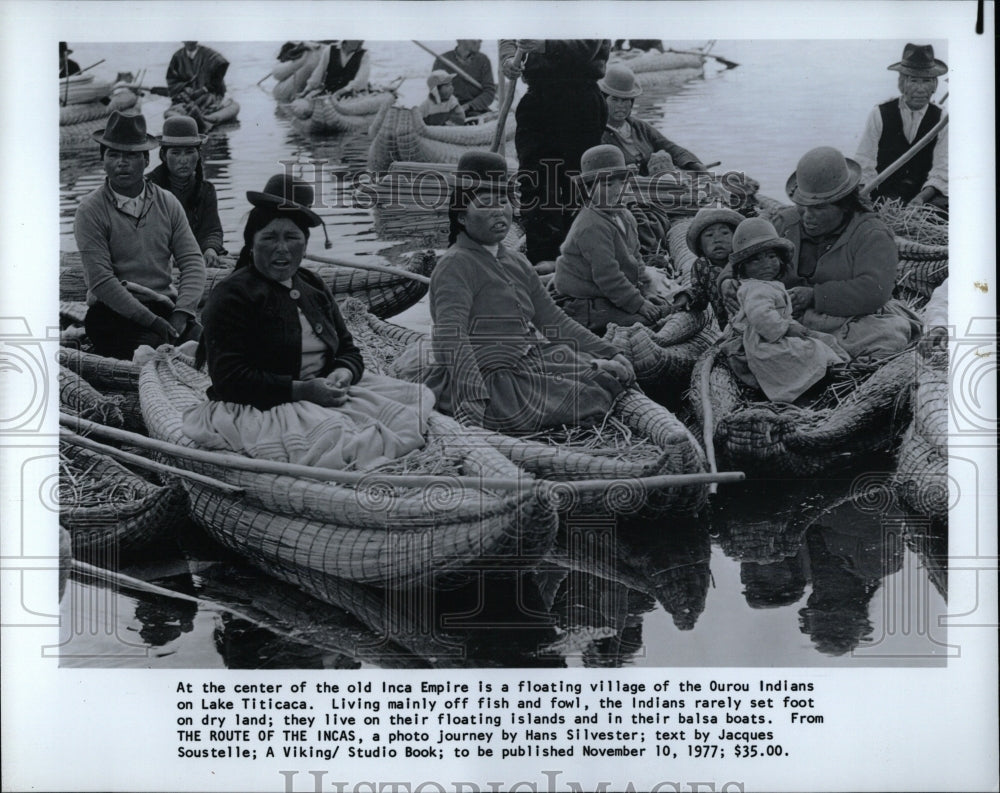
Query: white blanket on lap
(384, 419)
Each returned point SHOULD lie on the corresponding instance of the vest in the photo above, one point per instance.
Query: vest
(338, 76)
(909, 179)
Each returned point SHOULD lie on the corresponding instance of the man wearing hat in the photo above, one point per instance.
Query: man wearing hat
(894, 126)
(129, 233)
(441, 108)
(181, 172)
(67, 66)
(466, 56)
(561, 116)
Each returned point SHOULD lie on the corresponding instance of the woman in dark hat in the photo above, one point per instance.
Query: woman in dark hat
(180, 171)
(288, 383)
(843, 265)
(505, 357)
(896, 125)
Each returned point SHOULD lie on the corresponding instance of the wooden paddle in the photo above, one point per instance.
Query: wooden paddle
(908, 155)
(727, 63)
(241, 463)
(508, 100)
(378, 268)
(468, 77)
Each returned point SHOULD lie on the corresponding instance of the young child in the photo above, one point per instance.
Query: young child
(710, 238)
(770, 349)
(599, 269)
(441, 108)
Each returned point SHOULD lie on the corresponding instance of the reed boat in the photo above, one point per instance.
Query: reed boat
(921, 478)
(324, 115)
(386, 294)
(111, 512)
(662, 68)
(403, 136)
(115, 384)
(638, 439)
(78, 121)
(380, 531)
(79, 89)
(293, 73)
(226, 112)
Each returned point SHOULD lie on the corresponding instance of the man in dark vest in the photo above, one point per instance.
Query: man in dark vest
(341, 70)
(894, 126)
(561, 116)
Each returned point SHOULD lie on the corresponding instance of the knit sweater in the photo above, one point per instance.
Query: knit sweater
(598, 259)
(116, 247)
(478, 66)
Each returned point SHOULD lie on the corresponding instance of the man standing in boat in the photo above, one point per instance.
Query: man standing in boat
(195, 71)
(467, 57)
(129, 232)
(341, 70)
(67, 66)
(893, 127)
(561, 116)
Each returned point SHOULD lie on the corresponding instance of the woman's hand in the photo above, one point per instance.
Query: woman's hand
(619, 367)
(727, 290)
(649, 311)
(211, 257)
(802, 298)
(319, 391)
(179, 322)
(340, 377)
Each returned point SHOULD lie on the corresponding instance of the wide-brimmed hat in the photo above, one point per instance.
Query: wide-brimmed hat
(181, 131)
(439, 77)
(125, 132)
(601, 160)
(619, 81)
(754, 235)
(64, 48)
(287, 194)
(821, 176)
(708, 216)
(918, 61)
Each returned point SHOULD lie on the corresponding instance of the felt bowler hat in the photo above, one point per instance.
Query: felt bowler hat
(64, 48)
(287, 194)
(754, 235)
(602, 160)
(619, 81)
(125, 132)
(918, 61)
(478, 170)
(821, 176)
(709, 216)
(181, 131)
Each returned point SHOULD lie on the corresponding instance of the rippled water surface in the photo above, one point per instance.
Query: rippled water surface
(777, 574)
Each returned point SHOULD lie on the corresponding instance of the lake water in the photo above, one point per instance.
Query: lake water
(776, 574)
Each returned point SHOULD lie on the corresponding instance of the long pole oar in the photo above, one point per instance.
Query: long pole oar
(724, 61)
(508, 100)
(708, 428)
(378, 268)
(908, 155)
(468, 77)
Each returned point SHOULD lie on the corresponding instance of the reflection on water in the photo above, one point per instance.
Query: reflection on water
(777, 574)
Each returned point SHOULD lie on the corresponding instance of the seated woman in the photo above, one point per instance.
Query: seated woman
(768, 348)
(503, 356)
(844, 265)
(441, 108)
(180, 171)
(288, 383)
(637, 139)
(599, 270)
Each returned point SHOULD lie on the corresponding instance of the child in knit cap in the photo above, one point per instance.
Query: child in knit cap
(441, 108)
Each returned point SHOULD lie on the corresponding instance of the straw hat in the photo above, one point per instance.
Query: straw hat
(708, 216)
(821, 176)
(125, 132)
(288, 195)
(603, 159)
(918, 61)
(181, 131)
(754, 235)
(619, 81)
